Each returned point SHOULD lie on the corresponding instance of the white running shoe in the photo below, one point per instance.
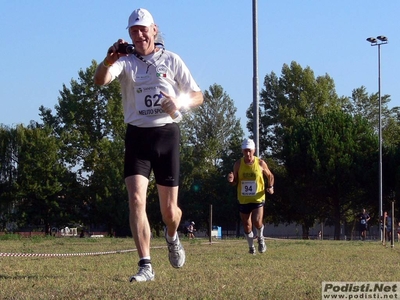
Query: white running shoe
(252, 250)
(145, 273)
(262, 247)
(176, 254)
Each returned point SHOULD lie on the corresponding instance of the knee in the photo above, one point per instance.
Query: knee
(136, 203)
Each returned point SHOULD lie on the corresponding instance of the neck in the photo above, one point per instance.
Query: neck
(148, 51)
(249, 160)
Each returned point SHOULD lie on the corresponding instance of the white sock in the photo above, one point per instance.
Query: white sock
(172, 239)
(249, 237)
(145, 257)
(260, 231)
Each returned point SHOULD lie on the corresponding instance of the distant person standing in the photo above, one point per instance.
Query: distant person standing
(248, 174)
(387, 226)
(398, 231)
(364, 218)
(191, 230)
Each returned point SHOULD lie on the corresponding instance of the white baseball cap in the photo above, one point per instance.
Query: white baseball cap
(248, 144)
(140, 17)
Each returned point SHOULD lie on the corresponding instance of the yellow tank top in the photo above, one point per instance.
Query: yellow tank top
(250, 188)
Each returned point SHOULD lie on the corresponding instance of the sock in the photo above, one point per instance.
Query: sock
(260, 231)
(172, 239)
(249, 236)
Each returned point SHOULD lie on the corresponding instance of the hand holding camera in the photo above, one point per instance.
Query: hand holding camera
(126, 48)
(121, 47)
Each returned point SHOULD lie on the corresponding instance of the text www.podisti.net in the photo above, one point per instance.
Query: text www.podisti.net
(360, 290)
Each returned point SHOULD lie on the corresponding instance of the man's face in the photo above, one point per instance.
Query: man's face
(248, 154)
(143, 38)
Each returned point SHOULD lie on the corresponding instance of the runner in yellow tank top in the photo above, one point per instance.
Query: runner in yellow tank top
(248, 174)
(251, 182)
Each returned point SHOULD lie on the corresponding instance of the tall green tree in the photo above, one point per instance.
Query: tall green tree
(367, 105)
(85, 114)
(362, 104)
(88, 119)
(329, 158)
(286, 101)
(38, 183)
(8, 173)
(296, 95)
(107, 188)
(292, 99)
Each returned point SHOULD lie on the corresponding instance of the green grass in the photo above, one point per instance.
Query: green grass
(290, 269)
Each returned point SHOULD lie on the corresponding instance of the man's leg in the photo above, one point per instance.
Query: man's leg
(257, 217)
(137, 188)
(170, 211)
(140, 228)
(171, 215)
(248, 231)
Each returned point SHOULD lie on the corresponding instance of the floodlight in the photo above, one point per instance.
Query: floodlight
(382, 38)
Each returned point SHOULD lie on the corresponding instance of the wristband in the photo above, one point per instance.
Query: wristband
(106, 63)
(271, 187)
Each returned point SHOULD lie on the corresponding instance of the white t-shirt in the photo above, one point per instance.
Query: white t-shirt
(142, 82)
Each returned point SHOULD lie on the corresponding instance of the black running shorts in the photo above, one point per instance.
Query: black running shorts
(249, 207)
(153, 148)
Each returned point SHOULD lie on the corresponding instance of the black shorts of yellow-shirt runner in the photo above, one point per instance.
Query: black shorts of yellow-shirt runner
(153, 148)
(249, 207)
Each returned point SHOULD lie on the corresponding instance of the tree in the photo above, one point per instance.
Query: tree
(8, 173)
(367, 106)
(38, 178)
(285, 102)
(108, 201)
(85, 114)
(89, 122)
(295, 96)
(329, 159)
(289, 101)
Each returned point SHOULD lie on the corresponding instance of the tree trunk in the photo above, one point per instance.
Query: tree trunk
(306, 231)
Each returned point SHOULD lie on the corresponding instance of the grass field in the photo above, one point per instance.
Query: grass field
(290, 269)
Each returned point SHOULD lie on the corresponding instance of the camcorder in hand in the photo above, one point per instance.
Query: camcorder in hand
(126, 48)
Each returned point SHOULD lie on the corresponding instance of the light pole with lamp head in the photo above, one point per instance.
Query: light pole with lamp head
(378, 41)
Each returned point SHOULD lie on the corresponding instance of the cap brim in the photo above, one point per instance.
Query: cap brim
(139, 24)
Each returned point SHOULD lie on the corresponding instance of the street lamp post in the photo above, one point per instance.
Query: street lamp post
(256, 101)
(378, 41)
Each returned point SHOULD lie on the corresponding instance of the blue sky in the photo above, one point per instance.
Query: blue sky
(46, 42)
